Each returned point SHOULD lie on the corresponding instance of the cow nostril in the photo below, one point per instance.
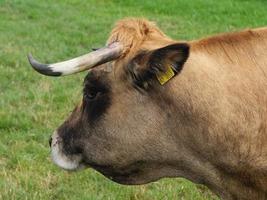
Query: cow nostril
(50, 141)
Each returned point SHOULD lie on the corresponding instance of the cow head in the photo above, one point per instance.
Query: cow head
(124, 125)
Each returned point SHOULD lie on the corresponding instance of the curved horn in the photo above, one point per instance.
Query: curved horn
(82, 63)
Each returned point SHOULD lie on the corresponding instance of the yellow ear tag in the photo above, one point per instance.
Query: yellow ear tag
(164, 77)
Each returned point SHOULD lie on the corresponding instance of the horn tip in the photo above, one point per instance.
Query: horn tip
(30, 58)
(42, 68)
(32, 61)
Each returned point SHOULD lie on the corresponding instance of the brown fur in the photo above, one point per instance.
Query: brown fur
(208, 124)
(231, 70)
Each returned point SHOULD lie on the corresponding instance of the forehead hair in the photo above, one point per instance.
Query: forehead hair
(134, 33)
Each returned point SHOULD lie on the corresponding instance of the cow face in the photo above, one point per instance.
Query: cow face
(123, 125)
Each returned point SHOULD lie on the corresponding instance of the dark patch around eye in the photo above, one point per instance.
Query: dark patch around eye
(94, 108)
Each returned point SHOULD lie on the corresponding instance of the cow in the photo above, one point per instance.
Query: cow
(155, 107)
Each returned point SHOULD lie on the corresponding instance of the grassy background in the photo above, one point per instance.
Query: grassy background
(32, 106)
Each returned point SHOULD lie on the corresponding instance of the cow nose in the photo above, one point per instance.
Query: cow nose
(50, 141)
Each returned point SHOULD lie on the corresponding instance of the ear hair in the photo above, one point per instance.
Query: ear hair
(174, 55)
(146, 65)
(140, 75)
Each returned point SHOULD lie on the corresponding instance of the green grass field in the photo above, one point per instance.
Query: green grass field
(32, 106)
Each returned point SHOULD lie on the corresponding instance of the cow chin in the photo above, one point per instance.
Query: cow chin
(128, 175)
(67, 162)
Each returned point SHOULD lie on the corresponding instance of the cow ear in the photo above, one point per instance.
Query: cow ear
(174, 56)
(161, 64)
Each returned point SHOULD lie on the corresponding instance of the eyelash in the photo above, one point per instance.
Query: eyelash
(93, 90)
(91, 94)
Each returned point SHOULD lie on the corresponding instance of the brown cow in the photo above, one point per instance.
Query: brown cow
(155, 107)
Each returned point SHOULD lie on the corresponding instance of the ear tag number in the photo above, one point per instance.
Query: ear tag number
(164, 77)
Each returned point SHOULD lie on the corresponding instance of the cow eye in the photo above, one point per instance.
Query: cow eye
(90, 95)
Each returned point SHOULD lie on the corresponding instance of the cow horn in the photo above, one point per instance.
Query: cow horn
(79, 64)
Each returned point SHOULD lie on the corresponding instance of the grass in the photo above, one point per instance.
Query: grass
(32, 106)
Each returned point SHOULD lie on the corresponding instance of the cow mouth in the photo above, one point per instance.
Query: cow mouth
(68, 162)
(131, 174)
(125, 175)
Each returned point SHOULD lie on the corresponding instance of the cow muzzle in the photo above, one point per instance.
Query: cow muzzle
(61, 159)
